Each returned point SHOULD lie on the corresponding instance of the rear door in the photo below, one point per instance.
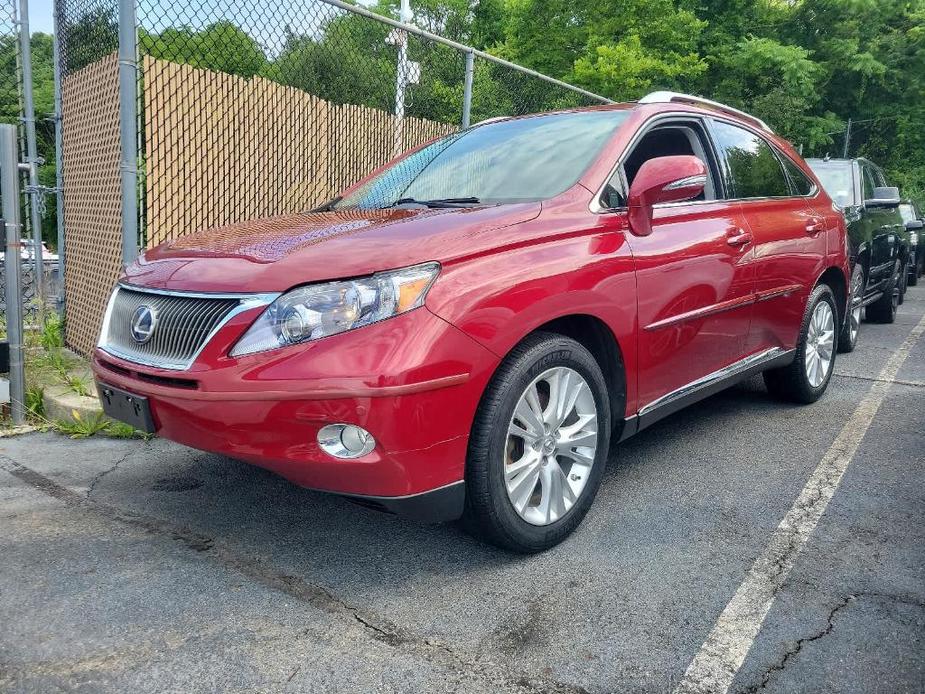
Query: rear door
(789, 243)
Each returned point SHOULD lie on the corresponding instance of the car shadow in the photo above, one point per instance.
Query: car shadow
(334, 541)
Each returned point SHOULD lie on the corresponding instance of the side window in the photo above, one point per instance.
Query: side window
(867, 181)
(661, 141)
(752, 168)
(799, 181)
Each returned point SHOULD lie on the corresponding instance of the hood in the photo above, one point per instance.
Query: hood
(277, 253)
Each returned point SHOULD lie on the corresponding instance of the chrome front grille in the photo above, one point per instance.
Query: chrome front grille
(182, 326)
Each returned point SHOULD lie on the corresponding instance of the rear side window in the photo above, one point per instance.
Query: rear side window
(867, 177)
(799, 181)
(752, 168)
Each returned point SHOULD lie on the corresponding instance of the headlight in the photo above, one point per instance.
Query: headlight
(914, 238)
(319, 310)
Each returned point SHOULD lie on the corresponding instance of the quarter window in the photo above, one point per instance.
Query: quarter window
(752, 168)
(869, 185)
(799, 181)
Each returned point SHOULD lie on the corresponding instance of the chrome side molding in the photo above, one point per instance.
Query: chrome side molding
(705, 386)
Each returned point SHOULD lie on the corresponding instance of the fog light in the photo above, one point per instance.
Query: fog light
(345, 440)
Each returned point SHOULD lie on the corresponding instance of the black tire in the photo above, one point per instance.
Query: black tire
(914, 275)
(848, 337)
(883, 310)
(791, 382)
(489, 513)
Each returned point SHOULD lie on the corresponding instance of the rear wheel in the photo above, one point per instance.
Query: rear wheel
(851, 326)
(916, 271)
(805, 379)
(539, 445)
(883, 310)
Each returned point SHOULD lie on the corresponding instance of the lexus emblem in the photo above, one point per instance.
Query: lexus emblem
(143, 321)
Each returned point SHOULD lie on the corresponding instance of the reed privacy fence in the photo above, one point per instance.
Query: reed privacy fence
(184, 116)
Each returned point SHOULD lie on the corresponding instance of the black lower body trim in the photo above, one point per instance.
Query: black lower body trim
(705, 387)
(434, 506)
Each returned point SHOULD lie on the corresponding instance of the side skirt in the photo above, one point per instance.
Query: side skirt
(705, 387)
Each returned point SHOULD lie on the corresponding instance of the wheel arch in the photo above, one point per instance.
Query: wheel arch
(834, 278)
(596, 336)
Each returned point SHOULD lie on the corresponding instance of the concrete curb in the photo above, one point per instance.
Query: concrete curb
(61, 403)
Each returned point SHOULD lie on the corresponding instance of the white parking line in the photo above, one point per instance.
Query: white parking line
(722, 654)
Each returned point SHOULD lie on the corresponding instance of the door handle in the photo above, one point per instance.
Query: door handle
(737, 236)
(815, 225)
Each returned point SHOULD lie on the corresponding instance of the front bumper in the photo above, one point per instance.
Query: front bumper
(413, 381)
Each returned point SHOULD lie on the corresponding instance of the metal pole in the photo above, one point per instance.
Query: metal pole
(128, 124)
(9, 191)
(401, 78)
(847, 139)
(59, 157)
(467, 88)
(32, 159)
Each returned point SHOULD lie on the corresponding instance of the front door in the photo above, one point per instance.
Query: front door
(694, 287)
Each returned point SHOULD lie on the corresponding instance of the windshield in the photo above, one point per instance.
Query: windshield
(517, 160)
(837, 180)
(907, 212)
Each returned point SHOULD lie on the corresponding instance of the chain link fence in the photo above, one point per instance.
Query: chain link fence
(12, 111)
(253, 109)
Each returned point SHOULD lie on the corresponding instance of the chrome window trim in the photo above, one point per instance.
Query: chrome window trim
(596, 207)
(246, 303)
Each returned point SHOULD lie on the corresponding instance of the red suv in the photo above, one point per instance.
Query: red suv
(466, 331)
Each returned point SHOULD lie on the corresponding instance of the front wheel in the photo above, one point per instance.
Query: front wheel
(539, 445)
(805, 379)
(851, 326)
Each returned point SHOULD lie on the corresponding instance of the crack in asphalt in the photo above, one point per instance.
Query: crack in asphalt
(829, 627)
(96, 478)
(798, 646)
(315, 595)
(896, 381)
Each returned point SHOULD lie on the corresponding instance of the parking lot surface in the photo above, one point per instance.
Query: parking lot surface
(146, 566)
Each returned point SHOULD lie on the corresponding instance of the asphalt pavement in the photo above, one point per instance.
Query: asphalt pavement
(145, 566)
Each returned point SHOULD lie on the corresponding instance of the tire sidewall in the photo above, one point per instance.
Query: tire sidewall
(845, 341)
(820, 293)
(549, 354)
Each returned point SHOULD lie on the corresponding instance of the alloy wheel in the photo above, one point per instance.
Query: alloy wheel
(820, 341)
(551, 444)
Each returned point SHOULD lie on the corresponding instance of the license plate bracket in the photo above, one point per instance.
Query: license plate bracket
(127, 407)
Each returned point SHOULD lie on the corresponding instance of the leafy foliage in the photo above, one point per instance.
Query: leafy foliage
(805, 66)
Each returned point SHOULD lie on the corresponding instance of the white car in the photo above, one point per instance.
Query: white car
(28, 251)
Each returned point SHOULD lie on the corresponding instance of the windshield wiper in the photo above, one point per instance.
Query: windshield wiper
(437, 202)
(328, 206)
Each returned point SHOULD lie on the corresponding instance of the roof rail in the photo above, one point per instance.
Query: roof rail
(668, 97)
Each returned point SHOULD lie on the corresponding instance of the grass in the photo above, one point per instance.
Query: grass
(48, 363)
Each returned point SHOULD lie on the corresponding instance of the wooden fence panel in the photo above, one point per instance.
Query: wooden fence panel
(221, 149)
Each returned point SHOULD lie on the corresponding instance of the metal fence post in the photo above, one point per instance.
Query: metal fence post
(467, 88)
(128, 125)
(32, 159)
(59, 158)
(9, 191)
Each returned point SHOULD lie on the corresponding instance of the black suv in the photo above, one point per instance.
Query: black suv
(878, 241)
(915, 221)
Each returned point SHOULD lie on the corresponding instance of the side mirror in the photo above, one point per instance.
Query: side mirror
(885, 196)
(663, 179)
(914, 225)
